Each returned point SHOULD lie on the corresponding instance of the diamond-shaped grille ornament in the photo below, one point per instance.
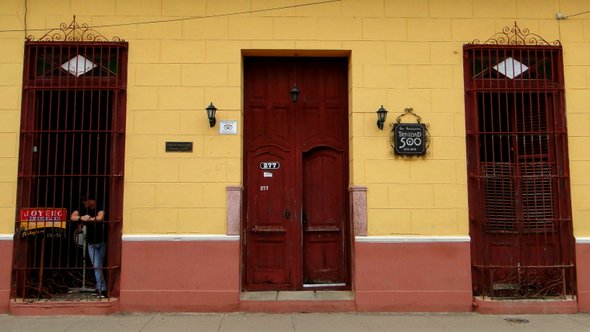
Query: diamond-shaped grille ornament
(78, 65)
(511, 68)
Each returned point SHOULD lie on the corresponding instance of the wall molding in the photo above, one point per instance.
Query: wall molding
(161, 237)
(362, 239)
(428, 239)
(412, 239)
(178, 237)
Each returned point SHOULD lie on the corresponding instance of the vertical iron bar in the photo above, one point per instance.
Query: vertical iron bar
(491, 284)
(564, 289)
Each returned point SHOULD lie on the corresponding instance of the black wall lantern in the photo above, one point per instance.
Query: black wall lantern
(294, 93)
(381, 115)
(211, 109)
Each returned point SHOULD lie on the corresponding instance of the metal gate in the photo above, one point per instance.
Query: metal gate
(71, 145)
(519, 196)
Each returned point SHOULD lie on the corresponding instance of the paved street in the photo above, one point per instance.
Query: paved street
(315, 322)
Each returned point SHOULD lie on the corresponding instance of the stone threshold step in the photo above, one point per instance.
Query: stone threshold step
(297, 296)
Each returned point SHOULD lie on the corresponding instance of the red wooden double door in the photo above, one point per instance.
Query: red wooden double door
(296, 227)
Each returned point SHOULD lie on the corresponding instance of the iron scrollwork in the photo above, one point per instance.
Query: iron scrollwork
(74, 32)
(526, 282)
(516, 36)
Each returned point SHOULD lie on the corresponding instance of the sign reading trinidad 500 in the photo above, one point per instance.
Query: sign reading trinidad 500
(410, 138)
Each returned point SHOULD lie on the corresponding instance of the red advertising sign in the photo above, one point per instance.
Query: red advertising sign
(37, 220)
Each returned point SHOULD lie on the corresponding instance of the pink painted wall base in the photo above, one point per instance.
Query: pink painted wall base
(583, 276)
(5, 274)
(204, 276)
(412, 277)
(180, 276)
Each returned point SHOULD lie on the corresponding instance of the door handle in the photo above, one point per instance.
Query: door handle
(286, 214)
(303, 217)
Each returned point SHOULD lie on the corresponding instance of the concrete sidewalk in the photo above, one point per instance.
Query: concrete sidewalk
(315, 322)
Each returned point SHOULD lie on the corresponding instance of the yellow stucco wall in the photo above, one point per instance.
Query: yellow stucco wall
(403, 54)
(11, 59)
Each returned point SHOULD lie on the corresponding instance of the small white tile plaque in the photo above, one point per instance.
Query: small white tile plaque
(228, 127)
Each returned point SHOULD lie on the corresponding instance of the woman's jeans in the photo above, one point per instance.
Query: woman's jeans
(97, 252)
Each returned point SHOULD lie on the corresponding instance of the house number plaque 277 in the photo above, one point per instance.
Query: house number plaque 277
(270, 165)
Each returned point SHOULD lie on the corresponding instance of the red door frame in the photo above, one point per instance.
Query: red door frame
(294, 190)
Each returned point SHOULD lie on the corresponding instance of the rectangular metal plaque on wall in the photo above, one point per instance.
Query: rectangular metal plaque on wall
(179, 146)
